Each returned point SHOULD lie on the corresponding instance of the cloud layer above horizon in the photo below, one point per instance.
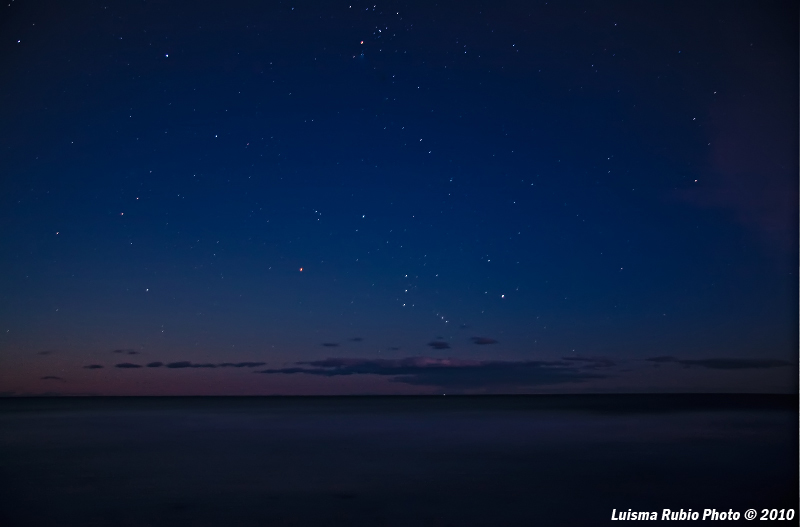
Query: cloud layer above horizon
(448, 373)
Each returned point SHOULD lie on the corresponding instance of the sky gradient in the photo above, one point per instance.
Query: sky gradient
(345, 198)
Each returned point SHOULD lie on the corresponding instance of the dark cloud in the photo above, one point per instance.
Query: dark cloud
(483, 340)
(187, 364)
(46, 352)
(724, 363)
(439, 345)
(51, 378)
(330, 344)
(663, 358)
(592, 362)
(751, 169)
(93, 366)
(240, 364)
(126, 351)
(448, 373)
(356, 339)
(180, 364)
(393, 348)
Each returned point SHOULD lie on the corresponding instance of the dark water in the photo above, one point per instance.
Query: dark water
(391, 461)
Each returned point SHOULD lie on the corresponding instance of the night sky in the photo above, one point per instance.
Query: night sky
(358, 198)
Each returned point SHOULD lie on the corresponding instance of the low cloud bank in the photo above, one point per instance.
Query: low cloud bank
(184, 364)
(449, 373)
(723, 363)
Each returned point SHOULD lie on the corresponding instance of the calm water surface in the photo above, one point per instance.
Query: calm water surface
(391, 461)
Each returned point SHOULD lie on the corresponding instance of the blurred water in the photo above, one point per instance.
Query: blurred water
(391, 461)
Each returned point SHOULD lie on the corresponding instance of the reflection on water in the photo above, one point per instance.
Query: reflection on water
(461, 461)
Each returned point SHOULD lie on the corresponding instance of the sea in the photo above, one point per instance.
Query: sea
(460, 461)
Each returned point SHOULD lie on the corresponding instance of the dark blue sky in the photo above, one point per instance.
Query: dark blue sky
(398, 198)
